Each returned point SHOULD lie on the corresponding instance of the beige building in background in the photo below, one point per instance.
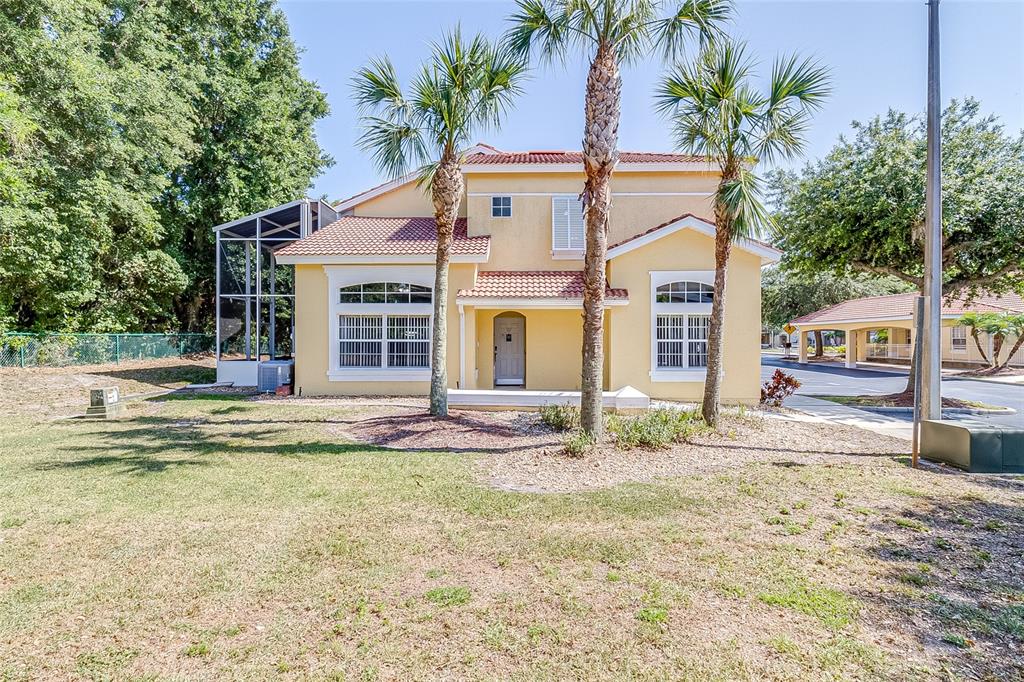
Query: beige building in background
(881, 328)
(363, 283)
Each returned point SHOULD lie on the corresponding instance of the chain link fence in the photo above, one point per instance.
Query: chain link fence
(63, 350)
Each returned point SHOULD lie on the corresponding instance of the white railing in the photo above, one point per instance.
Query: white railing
(889, 351)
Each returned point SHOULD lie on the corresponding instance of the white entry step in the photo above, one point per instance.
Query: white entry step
(627, 399)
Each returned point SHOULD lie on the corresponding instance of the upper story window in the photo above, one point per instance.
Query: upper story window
(684, 292)
(384, 292)
(501, 207)
(567, 225)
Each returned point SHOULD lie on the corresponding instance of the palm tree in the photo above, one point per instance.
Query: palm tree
(1015, 326)
(716, 112)
(976, 322)
(610, 33)
(463, 89)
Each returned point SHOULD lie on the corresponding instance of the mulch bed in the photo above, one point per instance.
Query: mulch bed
(906, 399)
(521, 454)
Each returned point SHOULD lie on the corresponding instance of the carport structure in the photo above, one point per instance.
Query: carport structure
(882, 327)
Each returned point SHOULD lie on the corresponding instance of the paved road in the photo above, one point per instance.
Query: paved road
(837, 380)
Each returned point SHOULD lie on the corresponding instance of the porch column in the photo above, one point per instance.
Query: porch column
(462, 348)
(802, 343)
(891, 351)
(852, 348)
(862, 348)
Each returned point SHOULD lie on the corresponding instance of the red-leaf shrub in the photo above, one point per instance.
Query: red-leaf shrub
(778, 388)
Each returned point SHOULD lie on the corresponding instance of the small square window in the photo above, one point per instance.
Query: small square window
(501, 207)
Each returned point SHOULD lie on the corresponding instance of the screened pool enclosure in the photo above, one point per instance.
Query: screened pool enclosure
(256, 295)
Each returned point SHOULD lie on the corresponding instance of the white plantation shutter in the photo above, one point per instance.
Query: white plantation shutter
(567, 231)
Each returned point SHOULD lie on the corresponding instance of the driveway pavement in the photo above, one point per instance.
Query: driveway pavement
(835, 379)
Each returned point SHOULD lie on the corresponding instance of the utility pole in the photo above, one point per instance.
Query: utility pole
(931, 339)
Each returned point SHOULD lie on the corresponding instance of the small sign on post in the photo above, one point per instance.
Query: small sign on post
(105, 403)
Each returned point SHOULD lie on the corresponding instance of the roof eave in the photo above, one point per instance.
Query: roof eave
(767, 254)
(377, 259)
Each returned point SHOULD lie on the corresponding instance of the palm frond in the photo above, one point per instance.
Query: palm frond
(703, 20)
(376, 85)
(743, 199)
(396, 147)
(539, 28)
(807, 82)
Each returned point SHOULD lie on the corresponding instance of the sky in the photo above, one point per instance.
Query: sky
(876, 51)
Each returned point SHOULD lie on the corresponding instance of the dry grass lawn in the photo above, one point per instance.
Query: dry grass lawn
(220, 537)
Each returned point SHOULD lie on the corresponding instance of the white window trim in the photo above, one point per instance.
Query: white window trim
(659, 277)
(338, 277)
(569, 253)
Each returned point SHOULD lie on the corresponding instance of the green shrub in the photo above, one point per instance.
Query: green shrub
(654, 429)
(578, 443)
(560, 417)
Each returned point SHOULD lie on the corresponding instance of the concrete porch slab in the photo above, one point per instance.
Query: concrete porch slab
(624, 400)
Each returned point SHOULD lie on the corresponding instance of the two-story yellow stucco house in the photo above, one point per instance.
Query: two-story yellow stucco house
(363, 277)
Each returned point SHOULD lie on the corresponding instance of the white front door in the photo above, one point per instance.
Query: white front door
(509, 351)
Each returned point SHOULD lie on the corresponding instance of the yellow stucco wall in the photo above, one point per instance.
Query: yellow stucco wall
(554, 336)
(312, 336)
(631, 325)
(554, 342)
(405, 201)
(523, 241)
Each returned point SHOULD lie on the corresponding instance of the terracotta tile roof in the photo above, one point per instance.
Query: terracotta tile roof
(902, 306)
(533, 284)
(558, 156)
(367, 236)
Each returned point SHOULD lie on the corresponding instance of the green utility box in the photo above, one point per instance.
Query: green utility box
(978, 447)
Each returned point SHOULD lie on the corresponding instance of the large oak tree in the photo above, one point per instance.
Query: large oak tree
(129, 129)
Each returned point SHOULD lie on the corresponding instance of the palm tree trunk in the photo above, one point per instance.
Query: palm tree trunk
(819, 344)
(711, 407)
(997, 347)
(600, 142)
(977, 342)
(446, 194)
(1013, 350)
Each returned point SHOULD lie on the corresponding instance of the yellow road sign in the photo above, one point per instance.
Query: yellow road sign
(789, 329)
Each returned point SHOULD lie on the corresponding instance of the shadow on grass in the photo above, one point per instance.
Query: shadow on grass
(147, 445)
(187, 395)
(957, 579)
(162, 377)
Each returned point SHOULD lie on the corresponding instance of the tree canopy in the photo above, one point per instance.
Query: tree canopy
(862, 206)
(786, 296)
(128, 129)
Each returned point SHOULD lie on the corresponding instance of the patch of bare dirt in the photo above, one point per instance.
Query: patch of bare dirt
(410, 428)
(743, 440)
(994, 372)
(522, 454)
(56, 391)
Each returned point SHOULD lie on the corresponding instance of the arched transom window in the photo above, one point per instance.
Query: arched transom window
(684, 292)
(384, 292)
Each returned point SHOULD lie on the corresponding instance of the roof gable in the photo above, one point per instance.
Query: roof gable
(688, 221)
